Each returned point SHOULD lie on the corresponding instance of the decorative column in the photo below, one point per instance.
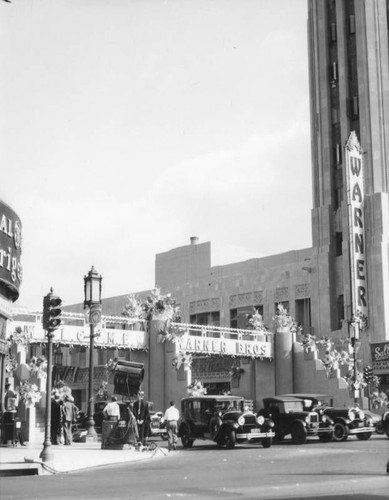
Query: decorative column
(283, 355)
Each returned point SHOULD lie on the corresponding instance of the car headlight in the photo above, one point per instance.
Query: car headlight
(241, 420)
(271, 423)
(324, 419)
(369, 422)
(351, 414)
(361, 414)
(260, 420)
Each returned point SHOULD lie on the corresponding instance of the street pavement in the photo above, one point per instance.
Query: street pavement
(25, 460)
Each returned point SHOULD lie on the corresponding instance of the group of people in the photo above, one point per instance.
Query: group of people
(63, 416)
(138, 418)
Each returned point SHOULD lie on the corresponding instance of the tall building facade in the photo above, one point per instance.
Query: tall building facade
(349, 94)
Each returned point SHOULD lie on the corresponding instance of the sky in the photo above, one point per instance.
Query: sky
(129, 126)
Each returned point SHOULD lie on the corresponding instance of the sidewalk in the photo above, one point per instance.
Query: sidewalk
(24, 460)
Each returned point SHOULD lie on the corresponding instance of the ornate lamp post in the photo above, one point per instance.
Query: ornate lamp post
(92, 301)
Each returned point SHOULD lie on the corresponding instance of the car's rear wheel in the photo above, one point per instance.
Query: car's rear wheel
(299, 433)
(186, 440)
(364, 436)
(267, 442)
(326, 437)
(229, 438)
(340, 432)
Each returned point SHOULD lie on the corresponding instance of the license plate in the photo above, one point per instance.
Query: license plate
(255, 430)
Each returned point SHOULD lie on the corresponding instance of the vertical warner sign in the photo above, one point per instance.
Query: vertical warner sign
(355, 207)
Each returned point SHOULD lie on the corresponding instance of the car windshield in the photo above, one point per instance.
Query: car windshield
(228, 405)
(292, 406)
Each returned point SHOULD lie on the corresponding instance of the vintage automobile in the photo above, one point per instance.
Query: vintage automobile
(157, 425)
(224, 420)
(291, 417)
(347, 421)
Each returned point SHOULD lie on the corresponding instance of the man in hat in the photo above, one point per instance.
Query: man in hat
(142, 415)
(9, 398)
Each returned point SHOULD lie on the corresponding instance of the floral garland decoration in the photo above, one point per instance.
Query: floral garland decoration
(196, 388)
(38, 366)
(18, 337)
(11, 364)
(236, 371)
(61, 390)
(182, 358)
(28, 393)
(256, 322)
(283, 319)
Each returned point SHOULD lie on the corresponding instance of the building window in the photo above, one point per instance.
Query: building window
(355, 105)
(284, 304)
(339, 244)
(337, 155)
(334, 115)
(207, 318)
(333, 32)
(340, 308)
(303, 314)
(240, 317)
(351, 25)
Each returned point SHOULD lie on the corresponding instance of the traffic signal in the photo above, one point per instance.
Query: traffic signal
(368, 374)
(51, 318)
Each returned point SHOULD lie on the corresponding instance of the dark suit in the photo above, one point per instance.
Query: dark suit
(142, 415)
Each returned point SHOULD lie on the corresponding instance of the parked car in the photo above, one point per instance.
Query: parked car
(376, 419)
(291, 417)
(157, 425)
(224, 420)
(347, 421)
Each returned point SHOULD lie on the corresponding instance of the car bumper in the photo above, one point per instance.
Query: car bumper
(254, 435)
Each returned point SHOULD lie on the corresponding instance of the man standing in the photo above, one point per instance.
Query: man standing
(112, 410)
(69, 415)
(171, 416)
(142, 415)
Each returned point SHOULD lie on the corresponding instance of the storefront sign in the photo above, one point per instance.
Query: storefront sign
(380, 357)
(10, 250)
(75, 335)
(227, 347)
(355, 205)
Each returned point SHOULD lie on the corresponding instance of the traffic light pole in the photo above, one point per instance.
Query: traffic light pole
(47, 454)
(51, 320)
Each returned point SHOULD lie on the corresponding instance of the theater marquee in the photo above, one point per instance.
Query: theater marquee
(355, 207)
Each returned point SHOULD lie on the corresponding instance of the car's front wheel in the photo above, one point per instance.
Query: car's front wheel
(229, 438)
(299, 433)
(364, 436)
(340, 432)
(267, 442)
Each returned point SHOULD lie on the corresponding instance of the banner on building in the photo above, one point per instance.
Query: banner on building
(380, 357)
(355, 205)
(76, 335)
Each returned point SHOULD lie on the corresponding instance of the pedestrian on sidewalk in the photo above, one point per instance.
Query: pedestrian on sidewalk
(69, 416)
(55, 424)
(142, 415)
(171, 417)
(112, 410)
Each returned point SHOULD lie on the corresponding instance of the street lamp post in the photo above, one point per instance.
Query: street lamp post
(354, 323)
(92, 301)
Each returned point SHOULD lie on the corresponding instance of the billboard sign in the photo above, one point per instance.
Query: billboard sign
(355, 206)
(380, 357)
(10, 251)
